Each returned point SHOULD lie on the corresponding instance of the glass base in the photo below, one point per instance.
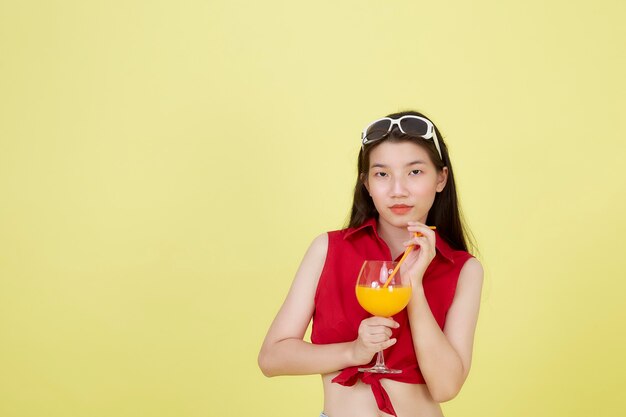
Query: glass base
(376, 369)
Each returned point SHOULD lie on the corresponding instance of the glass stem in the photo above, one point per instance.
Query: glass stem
(380, 360)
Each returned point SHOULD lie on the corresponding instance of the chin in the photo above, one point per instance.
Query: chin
(402, 221)
(398, 221)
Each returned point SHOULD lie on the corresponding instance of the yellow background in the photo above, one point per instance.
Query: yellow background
(164, 165)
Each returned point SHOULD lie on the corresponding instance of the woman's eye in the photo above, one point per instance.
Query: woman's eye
(416, 172)
(380, 174)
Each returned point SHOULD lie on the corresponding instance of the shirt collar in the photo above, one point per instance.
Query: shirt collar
(443, 248)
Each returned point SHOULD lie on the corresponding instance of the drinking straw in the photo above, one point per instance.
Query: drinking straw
(406, 253)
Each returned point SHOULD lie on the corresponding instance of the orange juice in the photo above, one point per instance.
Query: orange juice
(381, 301)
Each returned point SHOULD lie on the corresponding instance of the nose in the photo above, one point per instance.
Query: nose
(398, 187)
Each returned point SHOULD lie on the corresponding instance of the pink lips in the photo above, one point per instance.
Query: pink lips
(400, 208)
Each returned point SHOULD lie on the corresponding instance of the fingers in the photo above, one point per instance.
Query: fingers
(388, 343)
(381, 321)
(379, 333)
(377, 329)
(377, 342)
(382, 344)
(421, 234)
(374, 336)
(421, 229)
(423, 246)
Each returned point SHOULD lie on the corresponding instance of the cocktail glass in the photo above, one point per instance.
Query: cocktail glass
(381, 298)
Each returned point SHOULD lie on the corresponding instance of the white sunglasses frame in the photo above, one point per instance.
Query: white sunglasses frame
(430, 134)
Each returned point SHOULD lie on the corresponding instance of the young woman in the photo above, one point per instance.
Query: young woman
(405, 184)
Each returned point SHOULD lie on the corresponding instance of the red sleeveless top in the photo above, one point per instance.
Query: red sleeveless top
(337, 314)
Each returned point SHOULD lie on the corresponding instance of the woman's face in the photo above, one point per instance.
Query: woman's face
(403, 182)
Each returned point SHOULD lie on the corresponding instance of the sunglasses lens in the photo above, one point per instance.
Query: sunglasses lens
(378, 130)
(416, 127)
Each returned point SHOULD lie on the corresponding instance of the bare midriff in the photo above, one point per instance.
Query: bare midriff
(409, 400)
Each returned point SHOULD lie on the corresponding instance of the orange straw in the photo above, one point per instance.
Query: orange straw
(406, 253)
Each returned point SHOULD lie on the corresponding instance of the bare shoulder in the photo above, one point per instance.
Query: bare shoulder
(472, 272)
(319, 246)
(294, 315)
(308, 274)
(469, 288)
(314, 258)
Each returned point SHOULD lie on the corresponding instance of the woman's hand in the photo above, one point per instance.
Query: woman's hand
(418, 260)
(374, 336)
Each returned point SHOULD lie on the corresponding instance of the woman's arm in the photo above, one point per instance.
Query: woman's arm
(445, 356)
(284, 352)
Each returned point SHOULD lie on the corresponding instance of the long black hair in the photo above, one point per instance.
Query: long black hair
(445, 212)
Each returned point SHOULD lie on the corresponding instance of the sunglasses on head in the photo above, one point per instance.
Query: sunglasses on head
(409, 125)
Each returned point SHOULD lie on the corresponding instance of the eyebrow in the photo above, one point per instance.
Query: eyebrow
(416, 162)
